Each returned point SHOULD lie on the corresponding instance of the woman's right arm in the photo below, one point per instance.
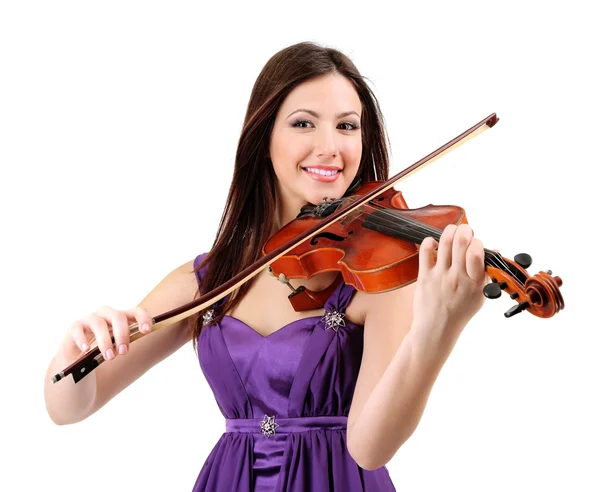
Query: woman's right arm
(67, 402)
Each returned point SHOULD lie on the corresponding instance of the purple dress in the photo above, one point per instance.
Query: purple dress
(285, 398)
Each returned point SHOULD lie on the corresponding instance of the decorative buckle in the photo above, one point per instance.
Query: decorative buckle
(333, 320)
(268, 426)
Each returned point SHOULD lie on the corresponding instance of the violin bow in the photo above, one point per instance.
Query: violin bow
(93, 358)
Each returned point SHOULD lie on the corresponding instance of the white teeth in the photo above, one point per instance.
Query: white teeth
(322, 172)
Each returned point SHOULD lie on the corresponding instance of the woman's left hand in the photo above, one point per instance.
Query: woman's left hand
(449, 289)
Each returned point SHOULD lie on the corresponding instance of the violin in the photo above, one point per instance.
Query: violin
(371, 237)
(375, 250)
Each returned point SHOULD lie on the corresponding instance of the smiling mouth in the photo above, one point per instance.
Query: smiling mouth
(322, 172)
(324, 175)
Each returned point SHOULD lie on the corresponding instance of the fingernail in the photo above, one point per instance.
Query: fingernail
(122, 349)
(84, 347)
(146, 327)
(110, 354)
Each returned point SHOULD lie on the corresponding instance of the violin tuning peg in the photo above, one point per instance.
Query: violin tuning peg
(523, 260)
(516, 309)
(494, 289)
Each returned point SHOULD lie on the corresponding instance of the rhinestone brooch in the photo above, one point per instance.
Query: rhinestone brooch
(268, 426)
(333, 320)
(208, 317)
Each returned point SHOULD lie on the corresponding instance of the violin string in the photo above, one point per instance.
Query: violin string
(418, 234)
(491, 257)
(415, 231)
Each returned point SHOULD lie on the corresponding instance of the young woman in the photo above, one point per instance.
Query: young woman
(313, 400)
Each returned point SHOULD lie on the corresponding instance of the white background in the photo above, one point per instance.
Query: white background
(118, 130)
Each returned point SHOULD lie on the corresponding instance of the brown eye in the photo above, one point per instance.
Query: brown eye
(297, 124)
(349, 126)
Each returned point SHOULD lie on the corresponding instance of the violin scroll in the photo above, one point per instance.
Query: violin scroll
(538, 294)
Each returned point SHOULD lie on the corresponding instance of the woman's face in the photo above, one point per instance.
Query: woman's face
(316, 142)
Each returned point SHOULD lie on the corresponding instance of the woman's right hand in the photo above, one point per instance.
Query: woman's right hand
(100, 327)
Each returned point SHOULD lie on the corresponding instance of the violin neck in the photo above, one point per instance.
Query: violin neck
(397, 225)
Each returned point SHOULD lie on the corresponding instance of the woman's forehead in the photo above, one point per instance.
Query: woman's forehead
(326, 96)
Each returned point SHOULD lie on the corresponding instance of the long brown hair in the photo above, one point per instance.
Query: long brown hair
(248, 217)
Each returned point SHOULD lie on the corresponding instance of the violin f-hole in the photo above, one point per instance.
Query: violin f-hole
(328, 235)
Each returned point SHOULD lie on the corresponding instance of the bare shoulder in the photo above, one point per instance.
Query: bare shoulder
(382, 310)
(177, 288)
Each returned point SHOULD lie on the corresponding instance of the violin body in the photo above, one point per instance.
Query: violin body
(370, 260)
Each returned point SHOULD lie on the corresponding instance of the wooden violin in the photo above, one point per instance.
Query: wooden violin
(375, 250)
(371, 237)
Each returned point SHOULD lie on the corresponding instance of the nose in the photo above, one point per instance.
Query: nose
(325, 143)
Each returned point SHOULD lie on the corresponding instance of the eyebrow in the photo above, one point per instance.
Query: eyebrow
(317, 115)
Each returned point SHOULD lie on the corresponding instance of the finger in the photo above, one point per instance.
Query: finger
(99, 327)
(461, 241)
(79, 336)
(142, 318)
(120, 327)
(475, 263)
(444, 254)
(427, 255)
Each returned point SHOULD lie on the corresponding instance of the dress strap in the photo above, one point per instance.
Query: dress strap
(340, 298)
(200, 273)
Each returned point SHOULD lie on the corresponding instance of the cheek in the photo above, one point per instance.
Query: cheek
(293, 155)
(290, 153)
(352, 153)
(286, 158)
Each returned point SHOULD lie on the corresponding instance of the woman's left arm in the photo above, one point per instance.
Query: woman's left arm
(409, 334)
